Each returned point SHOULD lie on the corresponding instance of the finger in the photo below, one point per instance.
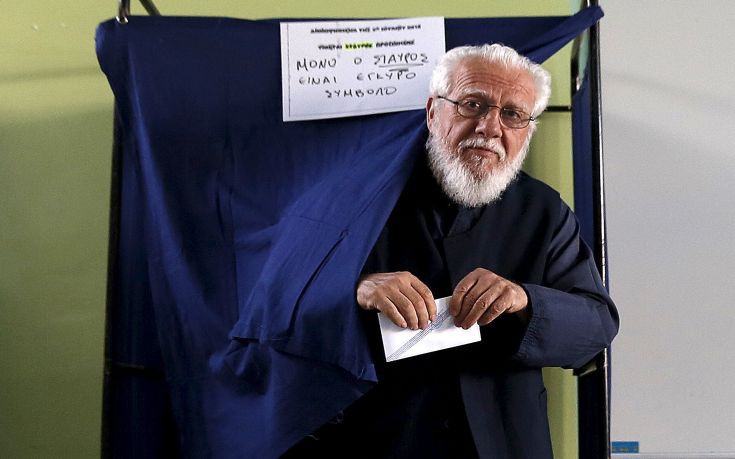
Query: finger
(430, 304)
(465, 306)
(514, 299)
(427, 296)
(487, 302)
(482, 283)
(405, 308)
(500, 305)
(485, 281)
(391, 312)
(458, 296)
(417, 301)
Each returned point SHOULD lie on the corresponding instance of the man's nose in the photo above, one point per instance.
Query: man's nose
(489, 125)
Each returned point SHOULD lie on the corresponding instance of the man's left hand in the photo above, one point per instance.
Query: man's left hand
(482, 296)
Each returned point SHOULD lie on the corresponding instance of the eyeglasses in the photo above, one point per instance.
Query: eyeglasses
(474, 109)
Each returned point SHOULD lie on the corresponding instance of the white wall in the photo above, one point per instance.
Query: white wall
(668, 118)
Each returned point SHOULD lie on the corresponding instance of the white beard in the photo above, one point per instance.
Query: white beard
(466, 182)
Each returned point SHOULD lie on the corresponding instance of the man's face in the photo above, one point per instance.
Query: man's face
(493, 143)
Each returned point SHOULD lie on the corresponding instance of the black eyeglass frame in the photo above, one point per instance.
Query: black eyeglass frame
(487, 109)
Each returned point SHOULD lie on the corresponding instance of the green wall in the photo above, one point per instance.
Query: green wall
(55, 144)
(55, 131)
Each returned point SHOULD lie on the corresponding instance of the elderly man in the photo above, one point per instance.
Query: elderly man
(506, 248)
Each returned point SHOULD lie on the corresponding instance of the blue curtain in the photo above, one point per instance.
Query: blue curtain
(241, 237)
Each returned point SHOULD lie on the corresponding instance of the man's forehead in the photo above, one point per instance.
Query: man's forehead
(480, 77)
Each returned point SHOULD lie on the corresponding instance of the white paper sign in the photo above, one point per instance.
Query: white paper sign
(399, 343)
(347, 68)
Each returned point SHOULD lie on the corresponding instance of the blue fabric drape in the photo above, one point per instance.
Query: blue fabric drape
(583, 165)
(241, 237)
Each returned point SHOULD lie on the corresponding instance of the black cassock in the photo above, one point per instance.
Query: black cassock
(485, 399)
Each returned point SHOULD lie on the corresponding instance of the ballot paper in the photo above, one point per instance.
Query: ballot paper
(400, 343)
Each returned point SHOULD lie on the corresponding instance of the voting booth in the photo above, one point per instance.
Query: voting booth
(255, 163)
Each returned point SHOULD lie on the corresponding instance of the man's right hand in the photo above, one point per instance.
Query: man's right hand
(401, 296)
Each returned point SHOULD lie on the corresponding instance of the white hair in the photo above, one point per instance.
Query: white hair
(442, 77)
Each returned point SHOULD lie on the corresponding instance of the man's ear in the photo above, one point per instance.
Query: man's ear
(429, 112)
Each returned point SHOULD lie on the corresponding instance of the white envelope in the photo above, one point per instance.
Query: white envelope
(400, 343)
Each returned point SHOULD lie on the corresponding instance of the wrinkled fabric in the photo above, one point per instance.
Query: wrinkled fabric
(248, 233)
